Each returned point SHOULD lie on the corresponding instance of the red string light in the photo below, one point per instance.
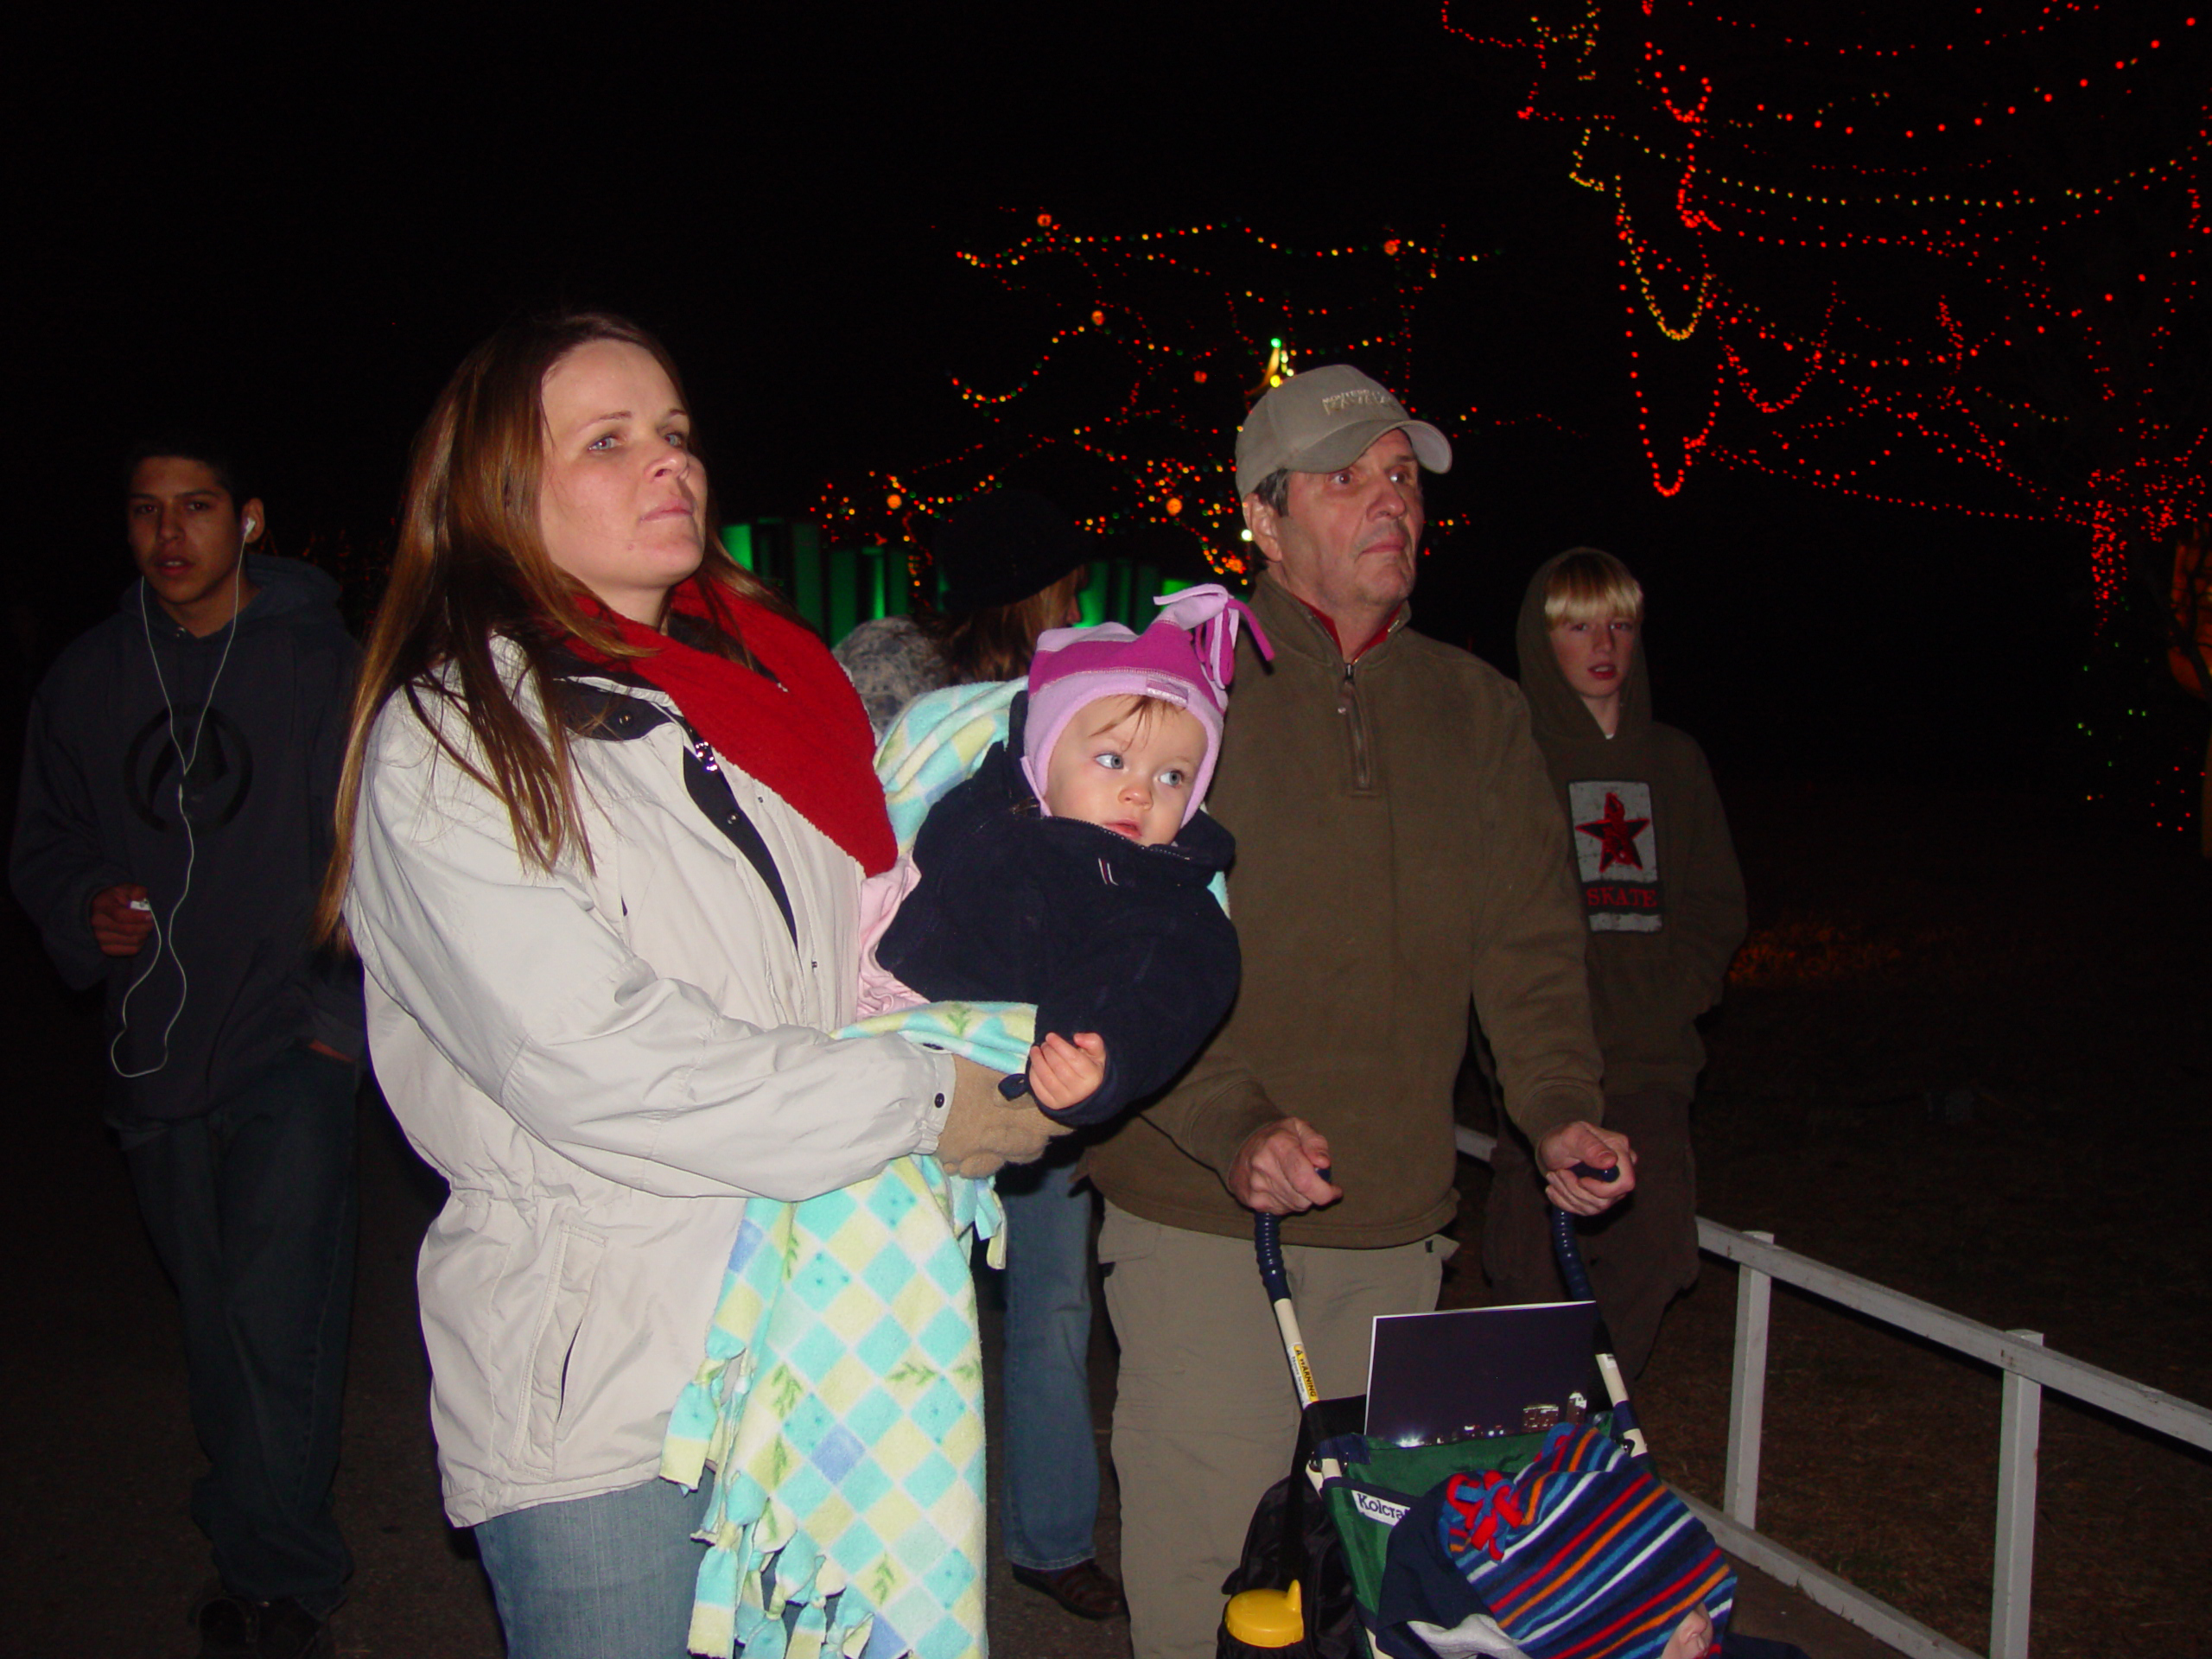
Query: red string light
(1864, 318)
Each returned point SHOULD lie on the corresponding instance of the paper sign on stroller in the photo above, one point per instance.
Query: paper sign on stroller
(1473, 1373)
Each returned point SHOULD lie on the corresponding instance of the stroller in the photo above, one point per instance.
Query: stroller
(1564, 1534)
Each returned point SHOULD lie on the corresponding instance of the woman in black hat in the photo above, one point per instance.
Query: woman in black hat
(1013, 565)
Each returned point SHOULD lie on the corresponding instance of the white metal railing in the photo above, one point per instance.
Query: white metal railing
(2027, 1368)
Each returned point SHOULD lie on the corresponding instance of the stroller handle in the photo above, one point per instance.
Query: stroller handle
(1267, 1245)
(1567, 1251)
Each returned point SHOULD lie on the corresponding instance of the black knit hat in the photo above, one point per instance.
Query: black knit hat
(1005, 546)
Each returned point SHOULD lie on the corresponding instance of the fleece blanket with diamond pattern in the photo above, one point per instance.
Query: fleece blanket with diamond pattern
(840, 1399)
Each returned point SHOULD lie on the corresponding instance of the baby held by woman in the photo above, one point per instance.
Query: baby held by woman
(1071, 869)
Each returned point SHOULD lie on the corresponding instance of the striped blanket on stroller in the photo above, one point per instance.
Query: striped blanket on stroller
(1584, 1554)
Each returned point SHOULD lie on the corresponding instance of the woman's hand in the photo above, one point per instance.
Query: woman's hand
(984, 1131)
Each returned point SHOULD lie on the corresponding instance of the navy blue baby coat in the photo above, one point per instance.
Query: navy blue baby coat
(1101, 933)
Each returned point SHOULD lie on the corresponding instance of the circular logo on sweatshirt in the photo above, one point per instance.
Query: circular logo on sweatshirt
(213, 789)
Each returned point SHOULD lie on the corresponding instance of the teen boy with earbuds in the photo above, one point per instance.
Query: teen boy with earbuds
(172, 827)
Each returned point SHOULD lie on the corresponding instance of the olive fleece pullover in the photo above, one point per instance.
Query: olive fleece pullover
(1398, 852)
(1661, 890)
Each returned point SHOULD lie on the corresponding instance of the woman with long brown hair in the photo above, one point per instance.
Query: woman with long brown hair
(606, 809)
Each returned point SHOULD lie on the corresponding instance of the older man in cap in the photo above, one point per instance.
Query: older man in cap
(1399, 854)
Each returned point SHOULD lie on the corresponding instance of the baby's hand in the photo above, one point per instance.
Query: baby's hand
(1064, 1074)
(1692, 1638)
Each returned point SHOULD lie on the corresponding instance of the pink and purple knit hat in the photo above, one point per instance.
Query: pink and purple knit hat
(1185, 658)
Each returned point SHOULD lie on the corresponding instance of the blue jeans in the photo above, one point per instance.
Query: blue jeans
(1049, 1469)
(252, 1209)
(607, 1576)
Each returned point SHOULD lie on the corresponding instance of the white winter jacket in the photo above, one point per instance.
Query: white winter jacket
(603, 1063)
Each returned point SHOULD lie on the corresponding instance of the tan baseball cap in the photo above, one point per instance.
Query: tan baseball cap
(1323, 419)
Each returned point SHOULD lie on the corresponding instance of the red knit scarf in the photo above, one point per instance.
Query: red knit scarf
(804, 734)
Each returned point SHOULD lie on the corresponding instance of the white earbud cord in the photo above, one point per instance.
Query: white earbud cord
(164, 937)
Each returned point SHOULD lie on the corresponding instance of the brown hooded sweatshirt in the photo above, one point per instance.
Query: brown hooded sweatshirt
(1398, 852)
(1660, 891)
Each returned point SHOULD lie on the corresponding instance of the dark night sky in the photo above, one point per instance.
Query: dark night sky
(306, 238)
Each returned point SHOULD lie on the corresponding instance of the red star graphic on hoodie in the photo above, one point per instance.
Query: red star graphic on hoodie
(1616, 833)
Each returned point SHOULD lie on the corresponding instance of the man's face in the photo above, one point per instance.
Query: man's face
(186, 535)
(1348, 543)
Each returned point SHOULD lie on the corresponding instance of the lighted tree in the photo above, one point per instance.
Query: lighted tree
(1148, 347)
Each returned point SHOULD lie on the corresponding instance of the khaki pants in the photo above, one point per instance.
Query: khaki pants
(1206, 1419)
(1641, 1253)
